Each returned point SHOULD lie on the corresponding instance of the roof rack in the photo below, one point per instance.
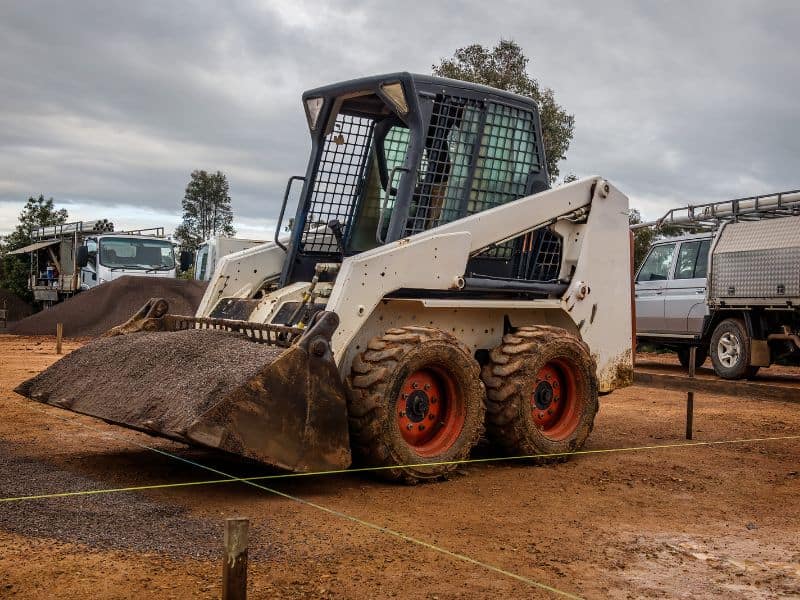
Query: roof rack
(751, 208)
(150, 232)
(49, 231)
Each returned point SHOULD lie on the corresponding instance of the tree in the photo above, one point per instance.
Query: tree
(206, 209)
(642, 238)
(505, 67)
(37, 212)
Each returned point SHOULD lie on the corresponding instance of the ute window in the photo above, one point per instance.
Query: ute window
(692, 260)
(656, 265)
(701, 267)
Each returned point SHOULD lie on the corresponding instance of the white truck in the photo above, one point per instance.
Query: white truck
(732, 291)
(71, 257)
(214, 248)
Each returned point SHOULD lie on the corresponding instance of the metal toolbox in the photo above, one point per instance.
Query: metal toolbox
(756, 262)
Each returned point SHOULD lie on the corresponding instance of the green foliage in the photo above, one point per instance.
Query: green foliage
(505, 67)
(642, 238)
(206, 209)
(15, 269)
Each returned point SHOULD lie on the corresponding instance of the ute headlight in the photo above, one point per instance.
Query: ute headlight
(313, 108)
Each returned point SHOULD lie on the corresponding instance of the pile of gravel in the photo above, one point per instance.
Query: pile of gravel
(172, 377)
(121, 520)
(93, 312)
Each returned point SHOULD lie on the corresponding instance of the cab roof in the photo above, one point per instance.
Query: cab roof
(417, 83)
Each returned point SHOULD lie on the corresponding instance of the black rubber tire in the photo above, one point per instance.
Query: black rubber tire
(510, 378)
(374, 385)
(701, 354)
(740, 369)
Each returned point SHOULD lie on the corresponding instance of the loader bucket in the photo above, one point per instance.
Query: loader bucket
(208, 382)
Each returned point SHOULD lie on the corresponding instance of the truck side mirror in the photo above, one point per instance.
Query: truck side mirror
(186, 259)
(82, 256)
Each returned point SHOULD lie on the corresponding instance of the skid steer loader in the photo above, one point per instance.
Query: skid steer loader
(433, 287)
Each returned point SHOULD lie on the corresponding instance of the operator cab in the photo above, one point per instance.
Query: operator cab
(398, 154)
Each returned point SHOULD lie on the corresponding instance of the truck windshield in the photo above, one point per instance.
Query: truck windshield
(201, 263)
(136, 253)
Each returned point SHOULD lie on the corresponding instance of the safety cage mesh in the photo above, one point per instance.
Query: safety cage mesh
(477, 155)
(338, 181)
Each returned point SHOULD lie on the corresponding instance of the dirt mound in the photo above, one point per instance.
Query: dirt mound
(17, 307)
(95, 311)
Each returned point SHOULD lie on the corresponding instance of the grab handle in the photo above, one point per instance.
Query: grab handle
(283, 208)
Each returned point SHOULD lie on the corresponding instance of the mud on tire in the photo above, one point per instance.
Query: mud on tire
(541, 387)
(414, 396)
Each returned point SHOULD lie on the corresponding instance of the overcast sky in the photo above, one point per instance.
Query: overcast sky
(108, 106)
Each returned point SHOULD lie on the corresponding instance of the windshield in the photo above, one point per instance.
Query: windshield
(136, 253)
(201, 263)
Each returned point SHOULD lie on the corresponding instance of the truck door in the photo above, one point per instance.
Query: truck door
(651, 283)
(89, 272)
(685, 296)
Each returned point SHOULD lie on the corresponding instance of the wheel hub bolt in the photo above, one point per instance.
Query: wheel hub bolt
(433, 400)
(415, 385)
(402, 414)
(422, 427)
(409, 427)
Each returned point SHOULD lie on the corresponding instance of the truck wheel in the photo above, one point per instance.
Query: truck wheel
(730, 350)
(541, 386)
(414, 396)
(701, 354)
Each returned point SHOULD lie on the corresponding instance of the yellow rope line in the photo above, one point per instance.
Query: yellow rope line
(386, 530)
(252, 482)
(233, 479)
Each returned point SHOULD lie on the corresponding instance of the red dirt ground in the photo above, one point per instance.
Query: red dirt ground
(703, 521)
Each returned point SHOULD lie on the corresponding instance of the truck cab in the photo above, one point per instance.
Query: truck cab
(670, 287)
(214, 248)
(670, 291)
(104, 258)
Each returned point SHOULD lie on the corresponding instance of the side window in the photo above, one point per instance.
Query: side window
(362, 233)
(444, 168)
(656, 265)
(687, 259)
(692, 260)
(203, 261)
(507, 154)
(91, 247)
(701, 268)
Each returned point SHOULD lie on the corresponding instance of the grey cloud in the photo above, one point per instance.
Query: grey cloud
(114, 103)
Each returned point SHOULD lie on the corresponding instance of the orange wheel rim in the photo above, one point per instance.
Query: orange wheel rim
(555, 405)
(430, 411)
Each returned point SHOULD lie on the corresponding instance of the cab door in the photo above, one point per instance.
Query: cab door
(685, 296)
(650, 286)
(89, 272)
